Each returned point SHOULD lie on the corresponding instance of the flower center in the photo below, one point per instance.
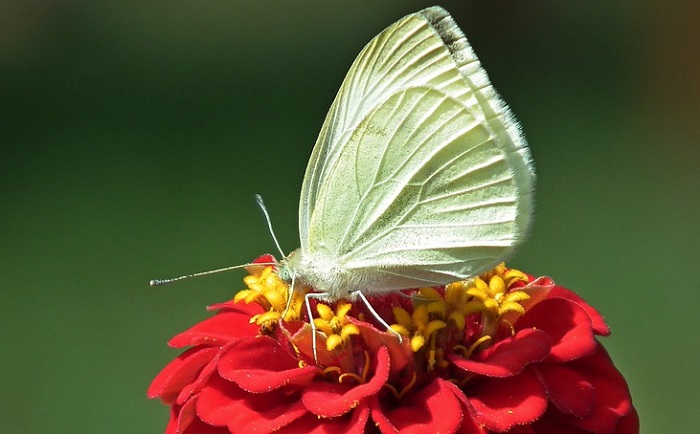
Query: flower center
(462, 317)
(335, 325)
(471, 309)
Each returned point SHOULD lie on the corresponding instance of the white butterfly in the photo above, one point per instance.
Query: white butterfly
(420, 175)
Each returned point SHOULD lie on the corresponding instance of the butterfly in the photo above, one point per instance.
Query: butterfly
(420, 175)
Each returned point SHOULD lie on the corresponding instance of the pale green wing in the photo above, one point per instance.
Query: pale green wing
(426, 49)
(422, 192)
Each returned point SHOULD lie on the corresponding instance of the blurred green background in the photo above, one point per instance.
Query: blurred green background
(134, 135)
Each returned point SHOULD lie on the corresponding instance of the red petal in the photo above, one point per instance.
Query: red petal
(171, 428)
(270, 422)
(599, 325)
(199, 427)
(553, 423)
(220, 329)
(528, 429)
(469, 425)
(500, 404)
(201, 381)
(566, 323)
(509, 356)
(249, 309)
(354, 422)
(399, 350)
(225, 404)
(301, 337)
(433, 409)
(538, 290)
(267, 258)
(179, 373)
(185, 415)
(380, 420)
(260, 365)
(629, 424)
(567, 389)
(184, 420)
(332, 399)
(613, 400)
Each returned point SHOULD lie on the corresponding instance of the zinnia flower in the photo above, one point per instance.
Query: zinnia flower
(504, 352)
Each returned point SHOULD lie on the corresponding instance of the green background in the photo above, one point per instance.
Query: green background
(134, 135)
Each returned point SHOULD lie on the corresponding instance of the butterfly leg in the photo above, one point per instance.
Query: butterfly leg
(412, 297)
(308, 296)
(289, 298)
(376, 315)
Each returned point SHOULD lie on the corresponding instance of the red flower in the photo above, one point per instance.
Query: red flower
(503, 353)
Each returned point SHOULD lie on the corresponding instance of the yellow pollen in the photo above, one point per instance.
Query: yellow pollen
(417, 343)
(431, 359)
(438, 316)
(266, 321)
(273, 294)
(418, 325)
(438, 313)
(491, 292)
(334, 325)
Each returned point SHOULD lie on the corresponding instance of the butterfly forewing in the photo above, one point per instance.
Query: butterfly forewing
(410, 53)
(420, 174)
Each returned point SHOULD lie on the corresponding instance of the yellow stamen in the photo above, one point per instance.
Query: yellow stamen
(408, 386)
(351, 375)
(435, 311)
(360, 379)
(405, 389)
(476, 344)
(461, 349)
(403, 317)
(365, 370)
(334, 369)
(491, 294)
(417, 342)
(273, 294)
(334, 325)
(434, 326)
(400, 329)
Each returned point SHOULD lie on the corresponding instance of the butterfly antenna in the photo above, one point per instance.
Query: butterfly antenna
(261, 204)
(159, 282)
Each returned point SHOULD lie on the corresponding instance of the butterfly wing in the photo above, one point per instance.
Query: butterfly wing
(420, 174)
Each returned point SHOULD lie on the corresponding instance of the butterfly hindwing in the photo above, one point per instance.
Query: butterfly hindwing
(420, 191)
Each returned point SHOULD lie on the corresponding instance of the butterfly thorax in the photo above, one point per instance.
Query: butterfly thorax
(324, 275)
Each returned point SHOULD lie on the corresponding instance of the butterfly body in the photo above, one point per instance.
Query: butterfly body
(327, 276)
(420, 175)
